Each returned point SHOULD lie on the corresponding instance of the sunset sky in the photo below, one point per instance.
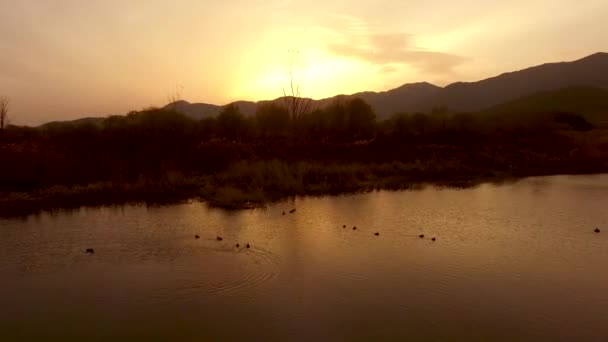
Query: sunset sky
(65, 59)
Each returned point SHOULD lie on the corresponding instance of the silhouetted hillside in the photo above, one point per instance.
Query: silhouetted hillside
(592, 103)
(402, 99)
(82, 121)
(591, 71)
(199, 111)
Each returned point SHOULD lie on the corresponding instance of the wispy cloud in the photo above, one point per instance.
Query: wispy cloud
(388, 69)
(390, 50)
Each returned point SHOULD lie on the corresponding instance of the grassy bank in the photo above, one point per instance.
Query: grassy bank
(255, 184)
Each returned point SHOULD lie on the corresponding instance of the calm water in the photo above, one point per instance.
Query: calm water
(511, 262)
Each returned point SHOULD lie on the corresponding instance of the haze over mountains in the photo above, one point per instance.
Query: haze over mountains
(589, 76)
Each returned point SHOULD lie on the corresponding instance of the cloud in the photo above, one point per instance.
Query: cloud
(388, 69)
(389, 50)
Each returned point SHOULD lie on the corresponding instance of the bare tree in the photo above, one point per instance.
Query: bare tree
(295, 103)
(3, 113)
(174, 96)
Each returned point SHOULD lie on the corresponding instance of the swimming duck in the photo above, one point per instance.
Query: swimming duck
(219, 238)
(292, 211)
(238, 245)
(597, 230)
(377, 234)
(248, 246)
(90, 250)
(421, 236)
(197, 237)
(433, 239)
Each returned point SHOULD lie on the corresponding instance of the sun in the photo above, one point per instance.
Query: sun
(316, 72)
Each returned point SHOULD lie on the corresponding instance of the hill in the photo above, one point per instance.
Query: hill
(95, 121)
(406, 98)
(589, 102)
(530, 89)
(591, 71)
(199, 111)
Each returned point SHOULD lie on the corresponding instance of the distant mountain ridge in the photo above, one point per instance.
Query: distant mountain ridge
(591, 71)
(204, 110)
(480, 96)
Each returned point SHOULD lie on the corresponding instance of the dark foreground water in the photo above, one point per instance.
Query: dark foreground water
(511, 262)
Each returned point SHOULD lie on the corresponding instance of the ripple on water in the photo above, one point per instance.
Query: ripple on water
(223, 271)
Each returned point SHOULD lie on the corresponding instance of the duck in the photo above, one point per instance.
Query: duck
(248, 246)
(377, 234)
(292, 211)
(433, 239)
(597, 230)
(283, 213)
(355, 228)
(344, 226)
(219, 238)
(90, 250)
(238, 245)
(421, 236)
(197, 237)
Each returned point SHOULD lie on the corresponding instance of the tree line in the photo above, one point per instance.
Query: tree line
(154, 142)
(343, 121)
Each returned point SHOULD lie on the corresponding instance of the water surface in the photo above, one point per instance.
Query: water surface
(516, 261)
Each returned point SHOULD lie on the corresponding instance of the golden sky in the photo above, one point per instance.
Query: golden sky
(65, 59)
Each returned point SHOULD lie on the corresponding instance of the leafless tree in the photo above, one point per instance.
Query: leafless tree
(295, 103)
(3, 113)
(174, 96)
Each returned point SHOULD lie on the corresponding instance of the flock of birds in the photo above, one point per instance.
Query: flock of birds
(378, 233)
(219, 238)
(248, 246)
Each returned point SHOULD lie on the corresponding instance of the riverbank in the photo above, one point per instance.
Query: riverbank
(247, 185)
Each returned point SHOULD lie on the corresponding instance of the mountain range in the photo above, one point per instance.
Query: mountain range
(566, 86)
(587, 73)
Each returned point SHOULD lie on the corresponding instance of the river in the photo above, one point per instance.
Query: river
(513, 261)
